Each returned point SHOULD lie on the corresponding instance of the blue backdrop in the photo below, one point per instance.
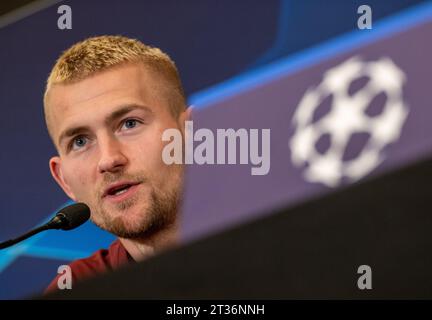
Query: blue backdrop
(211, 42)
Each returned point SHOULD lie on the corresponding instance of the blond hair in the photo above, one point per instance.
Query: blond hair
(97, 54)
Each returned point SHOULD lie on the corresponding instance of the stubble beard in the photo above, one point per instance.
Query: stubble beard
(160, 213)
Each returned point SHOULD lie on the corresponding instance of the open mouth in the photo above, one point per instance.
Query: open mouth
(120, 189)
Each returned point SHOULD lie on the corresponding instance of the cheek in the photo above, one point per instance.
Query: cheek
(150, 148)
(148, 155)
(78, 175)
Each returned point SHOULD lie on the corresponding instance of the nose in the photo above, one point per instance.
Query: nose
(112, 159)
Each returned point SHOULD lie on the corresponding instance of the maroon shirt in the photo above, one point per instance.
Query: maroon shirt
(99, 262)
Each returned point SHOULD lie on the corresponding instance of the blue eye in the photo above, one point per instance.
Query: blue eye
(79, 142)
(130, 123)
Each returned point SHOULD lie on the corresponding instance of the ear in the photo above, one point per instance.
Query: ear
(185, 115)
(56, 172)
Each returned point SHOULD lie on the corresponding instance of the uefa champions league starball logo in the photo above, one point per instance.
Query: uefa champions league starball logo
(348, 114)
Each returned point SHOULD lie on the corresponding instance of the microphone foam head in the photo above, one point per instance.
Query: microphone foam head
(74, 215)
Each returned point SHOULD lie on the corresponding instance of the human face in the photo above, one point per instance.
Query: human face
(107, 129)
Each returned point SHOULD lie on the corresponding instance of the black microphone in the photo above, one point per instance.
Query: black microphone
(67, 218)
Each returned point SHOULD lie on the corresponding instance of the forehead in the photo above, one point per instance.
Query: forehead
(101, 93)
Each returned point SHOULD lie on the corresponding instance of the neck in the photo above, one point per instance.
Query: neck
(141, 249)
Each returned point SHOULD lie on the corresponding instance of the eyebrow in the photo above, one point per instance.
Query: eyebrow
(108, 120)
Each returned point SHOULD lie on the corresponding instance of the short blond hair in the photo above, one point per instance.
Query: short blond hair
(100, 53)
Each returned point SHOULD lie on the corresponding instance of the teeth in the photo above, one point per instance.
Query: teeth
(121, 191)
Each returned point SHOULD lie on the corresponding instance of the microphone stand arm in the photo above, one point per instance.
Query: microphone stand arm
(11, 242)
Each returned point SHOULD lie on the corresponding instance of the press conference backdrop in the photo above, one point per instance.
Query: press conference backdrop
(263, 61)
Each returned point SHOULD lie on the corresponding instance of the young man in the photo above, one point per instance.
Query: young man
(107, 102)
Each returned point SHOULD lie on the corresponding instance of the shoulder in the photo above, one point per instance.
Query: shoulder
(99, 262)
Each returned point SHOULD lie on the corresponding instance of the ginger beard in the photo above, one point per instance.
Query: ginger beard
(148, 211)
